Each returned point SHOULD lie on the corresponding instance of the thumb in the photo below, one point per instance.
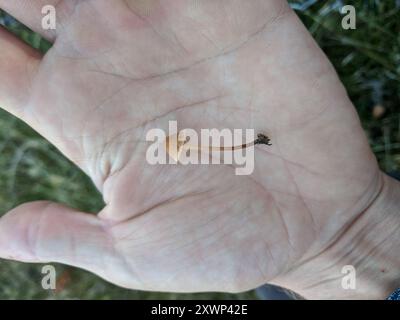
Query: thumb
(49, 232)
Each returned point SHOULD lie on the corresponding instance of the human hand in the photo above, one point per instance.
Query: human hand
(120, 68)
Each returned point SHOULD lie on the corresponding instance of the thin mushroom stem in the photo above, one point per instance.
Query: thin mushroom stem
(175, 147)
(261, 139)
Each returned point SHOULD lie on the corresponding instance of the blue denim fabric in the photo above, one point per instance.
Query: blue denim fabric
(395, 295)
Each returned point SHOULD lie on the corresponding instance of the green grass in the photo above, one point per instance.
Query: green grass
(367, 60)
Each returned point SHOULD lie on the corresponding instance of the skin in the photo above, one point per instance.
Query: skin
(315, 202)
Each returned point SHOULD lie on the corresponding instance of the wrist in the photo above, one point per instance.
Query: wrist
(370, 247)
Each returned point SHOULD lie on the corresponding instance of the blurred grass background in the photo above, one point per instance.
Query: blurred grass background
(367, 60)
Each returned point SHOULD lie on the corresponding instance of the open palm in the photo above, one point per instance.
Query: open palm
(120, 68)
